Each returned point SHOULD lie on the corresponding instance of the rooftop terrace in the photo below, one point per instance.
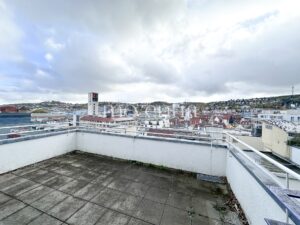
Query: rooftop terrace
(88, 187)
(82, 188)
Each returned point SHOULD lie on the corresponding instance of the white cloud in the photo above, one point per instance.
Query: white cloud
(49, 57)
(53, 45)
(158, 50)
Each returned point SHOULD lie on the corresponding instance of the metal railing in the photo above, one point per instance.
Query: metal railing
(288, 172)
(14, 132)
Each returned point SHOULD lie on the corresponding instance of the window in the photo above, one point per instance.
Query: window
(269, 127)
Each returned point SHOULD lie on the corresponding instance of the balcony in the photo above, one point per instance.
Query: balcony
(117, 177)
(81, 188)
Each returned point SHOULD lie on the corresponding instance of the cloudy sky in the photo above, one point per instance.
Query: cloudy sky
(146, 50)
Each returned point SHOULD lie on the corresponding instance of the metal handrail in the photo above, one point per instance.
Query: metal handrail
(274, 162)
(257, 165)
(37, 131)
(34, 135)
(32, 125)
(138, 132)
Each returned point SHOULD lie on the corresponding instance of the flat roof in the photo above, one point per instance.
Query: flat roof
(81, 188)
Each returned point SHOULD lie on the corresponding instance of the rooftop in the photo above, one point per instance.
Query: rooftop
(285, 125)
(99, 119)
(82, 188)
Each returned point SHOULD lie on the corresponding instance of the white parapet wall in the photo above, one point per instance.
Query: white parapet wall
(192, 156)
(22, 153)
(255, 201)
(177, 154)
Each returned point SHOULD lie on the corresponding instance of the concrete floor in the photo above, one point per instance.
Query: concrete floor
(80, 188)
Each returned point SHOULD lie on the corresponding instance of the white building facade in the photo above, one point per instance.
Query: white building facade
(287, 115)
(93, 104)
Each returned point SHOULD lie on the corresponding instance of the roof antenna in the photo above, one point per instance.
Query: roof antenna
(292, 97)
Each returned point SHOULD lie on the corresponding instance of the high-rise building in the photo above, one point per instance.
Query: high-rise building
(93, 104)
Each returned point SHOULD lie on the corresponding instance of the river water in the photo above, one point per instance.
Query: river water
(14, 121)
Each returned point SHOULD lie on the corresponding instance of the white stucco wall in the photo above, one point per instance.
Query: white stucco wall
(295, 155)
(18, 154)
(255, 201)
(185, 156)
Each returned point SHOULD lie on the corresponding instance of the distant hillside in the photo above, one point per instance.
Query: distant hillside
(276, 102)
(50, 106)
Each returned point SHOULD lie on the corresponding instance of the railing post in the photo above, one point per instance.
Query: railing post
(211, 157)
(287, 180)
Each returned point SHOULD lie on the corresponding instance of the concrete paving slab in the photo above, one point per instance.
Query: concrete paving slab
(66, 208)
(34, 194)
(134, 221)
(34, 174)
(49, 201)
(87, 176)
(231, 218)
(179, 200)
(157, 195)
(199, 206)
(73, 186)
(163, 183)
(44, 164)
(138, 189)
(24, 170)
(44, 178)
(150, 211)
(113, 218)
(107, 197)
(20, 188)
(89, 191)
(10, 207)
(67, 171)
(127, 204)
(147, 178)
(57, 182)
(131, 174)
(212, 212)
(6, 177)
(52, 167)
(119, 184)
(24, 216)
(6, 184)
(4, 198)
(87, 215)
(174, 216)
(45, 219)
(101, 178)
(106, 181)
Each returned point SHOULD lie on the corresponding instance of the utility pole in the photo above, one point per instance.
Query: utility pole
(292, 97)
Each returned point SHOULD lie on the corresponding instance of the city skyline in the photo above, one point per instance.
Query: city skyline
(130, 51)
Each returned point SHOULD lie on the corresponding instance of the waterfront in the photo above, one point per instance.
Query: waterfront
(16, 120)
